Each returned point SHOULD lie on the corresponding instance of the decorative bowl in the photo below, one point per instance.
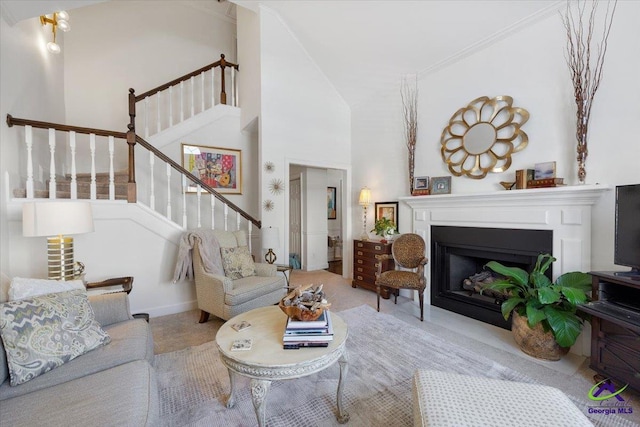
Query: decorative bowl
(300, 314)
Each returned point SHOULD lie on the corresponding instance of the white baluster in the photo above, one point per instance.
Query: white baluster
(213, 212)
(28, 139)
(198, 205)
(202, 81)
(146, 117)
(213, 87)
(237, 220)
(249, 229)
(74, 181)
(193, 100)
(182, 101)
(168, 191)
(112, 180)
(92, 148)
(158, 127)
(170, 106)
(233, 87)
(152, 187)
(184, 201)
(52, 165)
(226, 217)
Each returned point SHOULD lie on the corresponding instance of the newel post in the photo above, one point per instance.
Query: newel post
(223, 94)
(131, 141)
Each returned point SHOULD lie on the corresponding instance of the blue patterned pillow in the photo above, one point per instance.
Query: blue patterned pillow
(44, 332)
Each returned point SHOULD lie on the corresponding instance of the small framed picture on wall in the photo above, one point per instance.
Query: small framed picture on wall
(331, 203)
(387, 210)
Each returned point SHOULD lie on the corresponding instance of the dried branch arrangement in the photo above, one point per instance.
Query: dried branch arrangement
(586, 73)
(409, 95)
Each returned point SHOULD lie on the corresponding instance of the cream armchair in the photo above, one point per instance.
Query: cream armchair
(225, 297)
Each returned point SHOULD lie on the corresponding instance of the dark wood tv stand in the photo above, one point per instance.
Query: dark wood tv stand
(615, 327)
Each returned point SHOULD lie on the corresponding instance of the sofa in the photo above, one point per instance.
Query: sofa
(112, 385)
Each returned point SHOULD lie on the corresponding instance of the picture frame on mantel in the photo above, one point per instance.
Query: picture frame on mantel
(219, 168)
(441, 185)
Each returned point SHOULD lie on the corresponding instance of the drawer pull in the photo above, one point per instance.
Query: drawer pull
(360, 278)
(360, 245)
(378, 248)
(359, 269)
(359, 261)
(376, 264)
(359, 253)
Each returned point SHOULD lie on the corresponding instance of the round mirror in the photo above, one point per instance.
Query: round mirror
(479, 138)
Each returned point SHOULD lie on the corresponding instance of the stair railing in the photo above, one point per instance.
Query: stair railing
(97, 139)
(184, 97)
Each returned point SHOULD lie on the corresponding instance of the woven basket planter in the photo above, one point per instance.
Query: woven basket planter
(536, 342)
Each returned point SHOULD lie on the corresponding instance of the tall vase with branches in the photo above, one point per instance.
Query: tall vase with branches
(409, 95)
(586, 72)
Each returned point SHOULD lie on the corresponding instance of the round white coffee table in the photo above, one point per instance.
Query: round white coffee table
(267, 361)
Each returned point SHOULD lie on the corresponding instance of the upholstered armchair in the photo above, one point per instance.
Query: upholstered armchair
(408, 252)
(244, 286)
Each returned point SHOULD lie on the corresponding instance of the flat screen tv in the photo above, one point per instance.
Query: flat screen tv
(627, 239)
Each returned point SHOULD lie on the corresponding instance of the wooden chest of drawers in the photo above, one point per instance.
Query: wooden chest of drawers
(365, 264)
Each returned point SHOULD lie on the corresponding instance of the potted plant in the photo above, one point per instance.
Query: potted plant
(542, 309)
(385, 228)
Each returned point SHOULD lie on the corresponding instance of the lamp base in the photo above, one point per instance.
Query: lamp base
(364, 236)
(270, 257)
(60, 258)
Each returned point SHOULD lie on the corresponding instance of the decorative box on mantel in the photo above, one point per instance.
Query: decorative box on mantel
(566, 211)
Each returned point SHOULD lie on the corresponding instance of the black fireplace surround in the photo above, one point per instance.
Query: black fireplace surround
(460, 252)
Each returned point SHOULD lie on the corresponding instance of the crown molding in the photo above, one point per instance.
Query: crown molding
(494, 38)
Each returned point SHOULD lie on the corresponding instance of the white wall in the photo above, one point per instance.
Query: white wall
(249, 56)
(31, 86)
(303, 119)
(117, 45)
(528, 65)
(314, 212)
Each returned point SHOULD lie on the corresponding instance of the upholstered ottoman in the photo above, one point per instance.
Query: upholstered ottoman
(445, 399)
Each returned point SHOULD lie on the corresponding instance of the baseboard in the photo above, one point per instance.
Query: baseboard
(168, 309)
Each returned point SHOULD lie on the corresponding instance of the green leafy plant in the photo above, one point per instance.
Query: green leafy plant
(384, 227)
(535, 297)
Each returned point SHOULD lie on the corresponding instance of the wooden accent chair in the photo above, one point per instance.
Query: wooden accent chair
(226, 297)
(408, 252)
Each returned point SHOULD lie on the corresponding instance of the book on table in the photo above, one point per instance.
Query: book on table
(320, 322)
(308, 337)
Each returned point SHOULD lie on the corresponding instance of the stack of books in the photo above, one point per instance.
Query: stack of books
(314, 333)
(545, 183)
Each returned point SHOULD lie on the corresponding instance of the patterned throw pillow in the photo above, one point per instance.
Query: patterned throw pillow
(237, 262)
(44, 332)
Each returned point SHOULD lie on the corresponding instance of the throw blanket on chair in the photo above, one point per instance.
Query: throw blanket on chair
(209, 252)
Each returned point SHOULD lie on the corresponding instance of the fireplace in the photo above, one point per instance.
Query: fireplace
(563, 211)
(457, 253)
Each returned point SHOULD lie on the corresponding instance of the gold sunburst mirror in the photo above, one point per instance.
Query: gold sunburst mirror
(481, 137)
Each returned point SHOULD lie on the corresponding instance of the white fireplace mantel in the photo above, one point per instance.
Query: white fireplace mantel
(564, 210)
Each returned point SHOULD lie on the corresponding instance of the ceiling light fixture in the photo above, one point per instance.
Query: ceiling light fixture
(57, 20)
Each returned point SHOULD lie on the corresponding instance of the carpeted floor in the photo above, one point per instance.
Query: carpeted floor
(193, 383)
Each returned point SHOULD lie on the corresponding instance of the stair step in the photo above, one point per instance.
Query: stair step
(120, 176)
(85, 187)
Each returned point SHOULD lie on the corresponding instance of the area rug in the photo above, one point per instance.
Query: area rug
(383, 352)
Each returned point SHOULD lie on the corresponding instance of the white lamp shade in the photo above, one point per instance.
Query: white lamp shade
(56, 218)
(270, 238)
(365, 197)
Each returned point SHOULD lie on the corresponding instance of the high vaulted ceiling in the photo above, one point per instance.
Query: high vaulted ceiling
(362, 46)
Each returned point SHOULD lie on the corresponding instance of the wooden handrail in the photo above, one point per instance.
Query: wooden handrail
(197, 180)
(11, 121)
(221, 63)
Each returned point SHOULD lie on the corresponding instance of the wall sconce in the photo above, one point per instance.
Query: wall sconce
(57, 219)
(57, 20)
(270, 240)
(364, 201)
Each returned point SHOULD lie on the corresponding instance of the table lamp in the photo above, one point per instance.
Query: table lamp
(270, 240)
(364, 201)
(56, 220)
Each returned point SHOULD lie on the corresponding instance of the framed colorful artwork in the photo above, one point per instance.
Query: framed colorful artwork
(387, 210)
(219, 168)
(331, 203)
